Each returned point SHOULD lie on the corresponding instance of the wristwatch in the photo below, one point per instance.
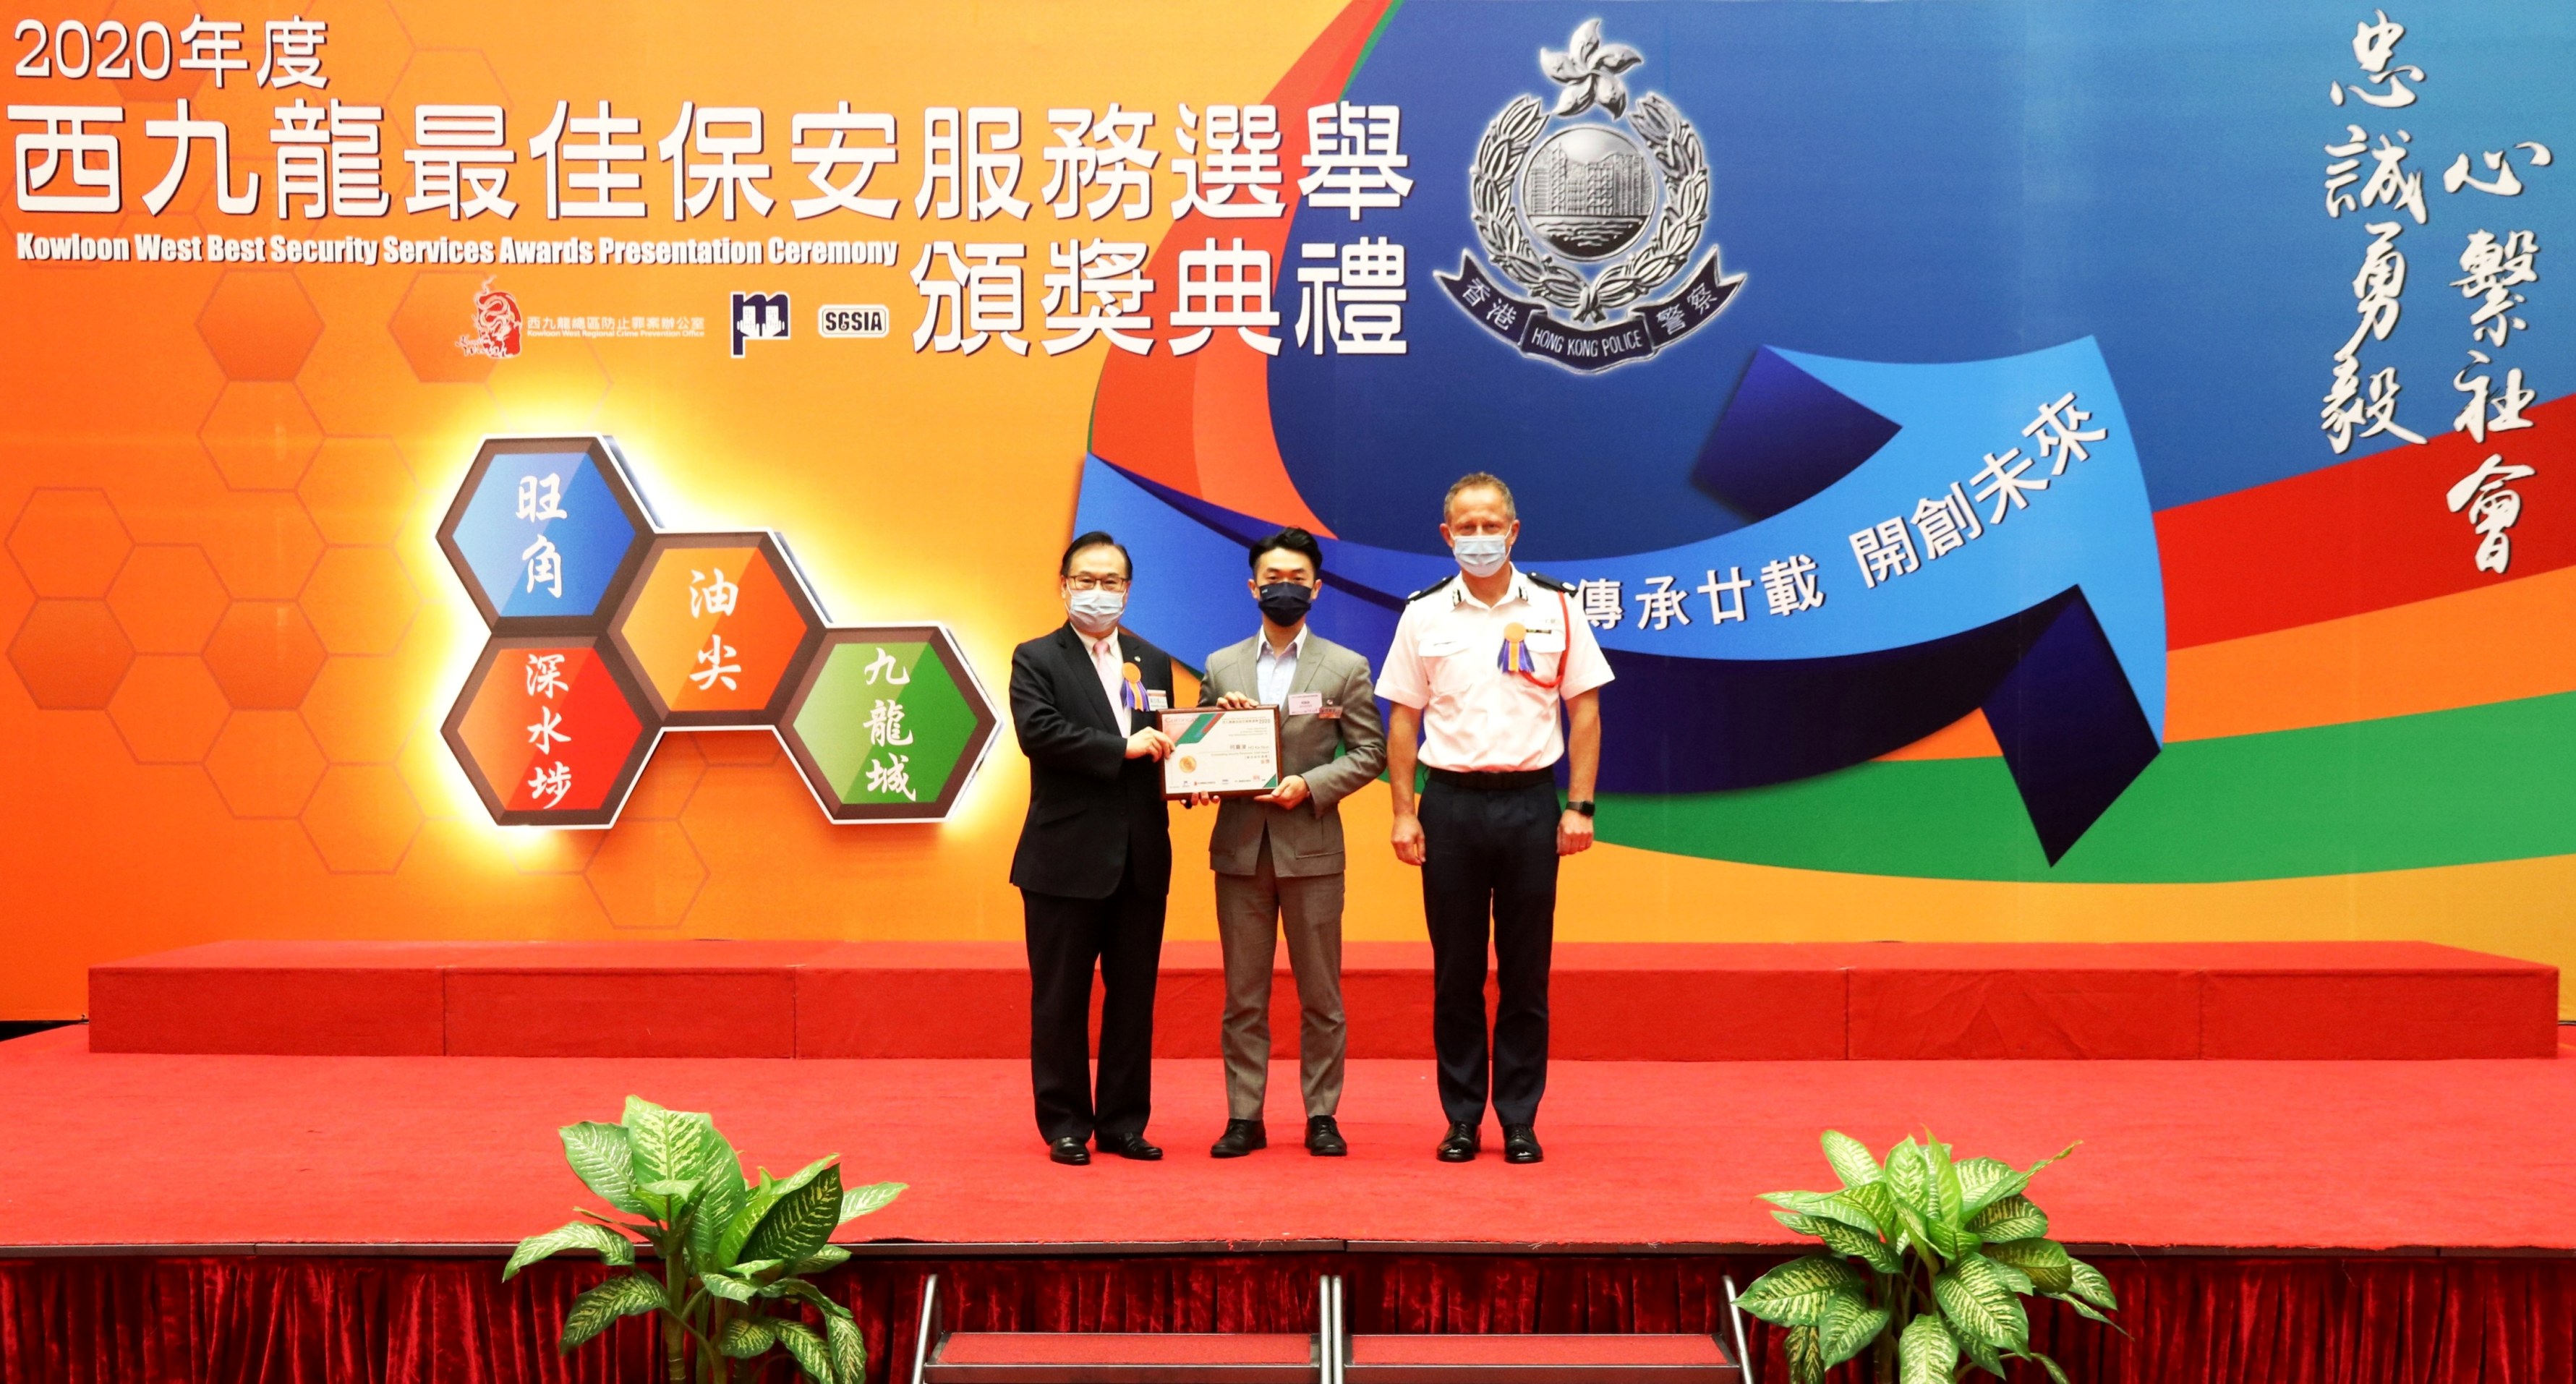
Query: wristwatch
(1582, 805)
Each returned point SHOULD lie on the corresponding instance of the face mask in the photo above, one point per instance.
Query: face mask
(1095, 612)
(1481, 556)
(1284, 603)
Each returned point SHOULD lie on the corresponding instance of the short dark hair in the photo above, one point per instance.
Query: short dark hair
(1097, 538)
(1478, 480)
(1291, 540)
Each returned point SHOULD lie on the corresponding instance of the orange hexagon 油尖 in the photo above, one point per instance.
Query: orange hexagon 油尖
(259, 324)
(264, 764)
(70, 654)
(168, 709)
(360, 600)
(264, 654)
(69, 542)
(261, 435)
(716, 627)
(168, 598)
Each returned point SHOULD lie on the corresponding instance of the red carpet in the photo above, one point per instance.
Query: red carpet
(2344, 1156)
(1622, 1002)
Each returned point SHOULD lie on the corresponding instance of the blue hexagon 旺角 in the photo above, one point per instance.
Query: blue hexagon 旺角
(545, 532)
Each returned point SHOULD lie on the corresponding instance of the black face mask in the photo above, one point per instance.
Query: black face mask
(1284, 603)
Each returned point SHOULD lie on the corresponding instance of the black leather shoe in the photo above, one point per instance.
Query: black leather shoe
(1460, 1145)
(1520, 1144)
(1240, 1137)
(1069, 1150)
(1129, 1146)
(1324, 1138)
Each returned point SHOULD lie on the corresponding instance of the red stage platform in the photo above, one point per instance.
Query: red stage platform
(244, 1218)
(1611, 1002)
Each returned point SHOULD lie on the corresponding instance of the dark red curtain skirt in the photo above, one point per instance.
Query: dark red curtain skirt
(352, 1320)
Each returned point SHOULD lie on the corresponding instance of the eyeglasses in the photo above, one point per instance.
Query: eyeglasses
(1086, 582)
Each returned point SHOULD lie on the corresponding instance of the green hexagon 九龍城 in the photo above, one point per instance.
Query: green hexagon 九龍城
(885, 723)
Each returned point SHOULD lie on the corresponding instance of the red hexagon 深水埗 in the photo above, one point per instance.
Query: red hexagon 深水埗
(551, 731)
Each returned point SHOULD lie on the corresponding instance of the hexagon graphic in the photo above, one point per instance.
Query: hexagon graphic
(545, 532)
(551, 731)
(259, 324)
(717, 628)
(888, 724)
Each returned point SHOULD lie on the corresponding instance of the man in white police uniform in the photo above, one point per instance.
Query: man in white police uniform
(1482, 661)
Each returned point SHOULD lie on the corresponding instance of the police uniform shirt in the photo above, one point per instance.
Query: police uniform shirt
(1477, 717)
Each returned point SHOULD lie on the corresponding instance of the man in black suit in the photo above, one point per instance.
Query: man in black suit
(1094, 864)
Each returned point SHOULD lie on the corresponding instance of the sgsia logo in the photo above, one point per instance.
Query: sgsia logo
(497, 325)
(1589, 208)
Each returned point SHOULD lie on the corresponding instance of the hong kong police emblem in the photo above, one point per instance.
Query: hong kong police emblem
(1590, 208)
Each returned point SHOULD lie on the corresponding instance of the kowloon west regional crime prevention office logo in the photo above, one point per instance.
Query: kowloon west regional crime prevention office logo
(1590, 208)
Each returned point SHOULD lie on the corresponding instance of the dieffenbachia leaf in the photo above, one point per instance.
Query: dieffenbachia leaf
(1943, 1205)
(745, 1337)
(1850, 1159)
(728, 1287)
(2043, 1262)
(612, 1247)
(829, 1256)
(721, 1194)
(1979, 1305)
(1849, 1326)
(1804, 1225)
(1875, 1203)
(859, 1201)
(1983, 1356)
(799, 1221)
(2091, 1286)
(849, 1347)
(811, 1355)
(2056, 1372)
(1795, 1294)
(1806, 1353)
(1860, 1244)
(624, 1296)
(1909, 1176)
(673, 1145)
(1838, 1206)
(2013, 1218)
(761, 1198)
(2085, 1310)
(1985, 1181)
(599, 1157)
(1926, 1354)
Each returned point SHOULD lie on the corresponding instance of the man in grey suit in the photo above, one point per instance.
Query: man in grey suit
(1278, 857)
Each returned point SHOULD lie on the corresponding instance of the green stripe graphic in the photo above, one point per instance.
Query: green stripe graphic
(2483, 783)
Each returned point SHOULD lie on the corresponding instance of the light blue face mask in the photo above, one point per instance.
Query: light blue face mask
(1095, 613)
(1482, 555)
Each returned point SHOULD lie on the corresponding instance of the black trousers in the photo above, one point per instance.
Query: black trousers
(1123, 935)
(1490, 856)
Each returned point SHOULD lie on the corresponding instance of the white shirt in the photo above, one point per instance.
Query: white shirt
(1113, 675)
(1274, 673)
(1447, 664)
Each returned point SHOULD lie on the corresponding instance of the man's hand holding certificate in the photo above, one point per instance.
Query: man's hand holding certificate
(1222, 751)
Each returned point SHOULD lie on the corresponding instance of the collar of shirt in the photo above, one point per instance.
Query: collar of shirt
(1296, 646)
(1519, 590)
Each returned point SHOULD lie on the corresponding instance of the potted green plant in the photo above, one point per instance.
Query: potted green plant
(1928, 1258)
(733, 1255)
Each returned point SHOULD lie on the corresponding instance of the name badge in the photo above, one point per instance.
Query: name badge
(1156, 699)
(1305, 703)
(1440, 645)
(1330, 712)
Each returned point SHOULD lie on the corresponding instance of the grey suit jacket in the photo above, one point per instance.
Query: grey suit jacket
(1306, 839)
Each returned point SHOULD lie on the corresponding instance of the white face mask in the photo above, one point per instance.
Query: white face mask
(1481, 556)
(1095, 613)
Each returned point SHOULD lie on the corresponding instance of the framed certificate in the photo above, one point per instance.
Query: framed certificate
(1233, 754)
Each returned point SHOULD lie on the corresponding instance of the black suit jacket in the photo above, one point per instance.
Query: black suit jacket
(1093, 812)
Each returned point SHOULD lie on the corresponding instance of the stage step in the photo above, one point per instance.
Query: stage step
(1609, 1001)
(1595, 1359)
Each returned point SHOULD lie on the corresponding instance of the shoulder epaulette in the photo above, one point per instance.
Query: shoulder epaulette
(1551, 583)
(1418, 595)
